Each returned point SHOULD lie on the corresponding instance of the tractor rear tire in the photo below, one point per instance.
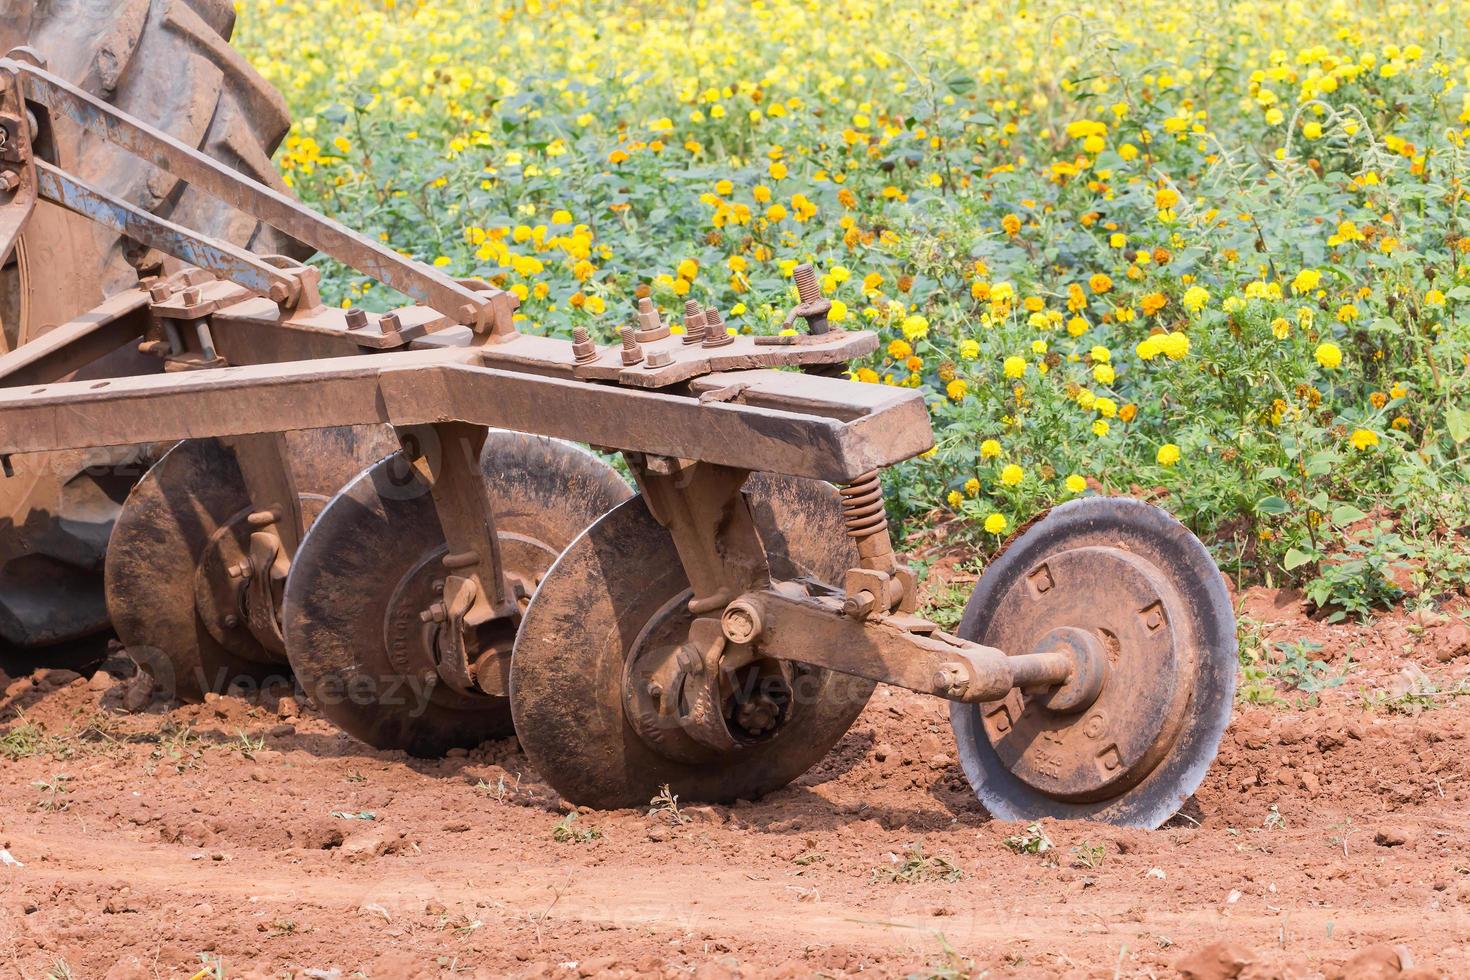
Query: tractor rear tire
(169, 63)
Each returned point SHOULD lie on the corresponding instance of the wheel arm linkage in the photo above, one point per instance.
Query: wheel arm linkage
(785, 623)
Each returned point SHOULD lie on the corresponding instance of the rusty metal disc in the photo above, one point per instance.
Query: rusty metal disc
(169, 594)
(620, 591)
(1125, 580)
(373, 563)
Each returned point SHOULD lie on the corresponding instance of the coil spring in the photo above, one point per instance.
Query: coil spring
(862, 506)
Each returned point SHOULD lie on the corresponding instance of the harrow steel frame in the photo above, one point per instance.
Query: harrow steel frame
(245, 350)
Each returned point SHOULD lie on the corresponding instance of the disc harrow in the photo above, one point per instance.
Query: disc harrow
(396, 507)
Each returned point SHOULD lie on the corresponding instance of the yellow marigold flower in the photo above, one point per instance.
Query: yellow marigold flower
(1106, 407)
(1168, 454)
(1100, 283)
(915, 326)
(1329, 355)
(1398, 391)
(1117, 239)
(969, 350)
(1011, 223)
(838, 313)
(989, 449)
(776, 212)
(761, 193)
(1363, 439)
(1011, 475)
(957, 389)
(1400, 422)
(1434, 298)
(1347, 313)
(1195, 298)
(996, 523)
(688, 269)
(1312, 130)
(867, 376)
(972, 486)
(1086, 399)
(1076, 326)
(1175, 345)
(1306, 281)
(1100, 428)
(778, 170)
(725, 188)
(1281, 328)
(954, 499)
(1165, 198)
(1100, 355)
(1075, 483)
(1033, 304)
(1103, 374)
(594, 305)
(899, 350)
(1014, 366)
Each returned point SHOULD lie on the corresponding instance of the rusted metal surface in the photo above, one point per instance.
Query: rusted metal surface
(229, 261)
(1141, 587)
(17, 169)
(373, 566)
(610, 620)
(418, 387)
(185, 527)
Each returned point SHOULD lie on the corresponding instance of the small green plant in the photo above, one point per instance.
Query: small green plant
(916, 866)
(1274, 820)
(246, 745)
(1088, 856)
(54, 793)
(283, 927)
(947, 964)
(1031, 841)
(666, 803)
(176, 744)
(1303, 673)
(26, 739)
(500, 791)
(1344, 830)
(565, 833)
(60, 970)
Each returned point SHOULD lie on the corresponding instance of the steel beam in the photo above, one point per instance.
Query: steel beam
(429, 386)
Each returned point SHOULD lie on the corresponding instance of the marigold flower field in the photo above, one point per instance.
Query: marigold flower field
(1215, 253)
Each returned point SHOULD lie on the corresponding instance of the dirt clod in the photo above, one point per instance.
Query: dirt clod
(1217, 961)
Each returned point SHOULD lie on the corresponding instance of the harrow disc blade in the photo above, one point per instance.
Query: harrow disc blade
(372, 563)
(168, 590)
(620, 592)
(1130, 580)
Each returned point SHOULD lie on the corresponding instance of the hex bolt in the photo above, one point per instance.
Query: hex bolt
(632, 350)
(654, 690)
(231, 621)
(690, 661)
(859, 606)
(241, 569)
(714, 329)
(693, 322)
(741, 622)
(390, 323)
(9, 181)
(583, 349)
(193, 296)
(160, 291)
(356, 318)
(436, 613)
(806, 283)
(658, 359)
(951, 678)
(279, 292)
(650, 325)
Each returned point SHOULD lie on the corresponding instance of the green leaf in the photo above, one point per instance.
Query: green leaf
(1273, 506)
(1458, 422)
(1296, 558)
(1346, 514)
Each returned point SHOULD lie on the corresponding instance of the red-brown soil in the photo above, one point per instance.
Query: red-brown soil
(248, 835)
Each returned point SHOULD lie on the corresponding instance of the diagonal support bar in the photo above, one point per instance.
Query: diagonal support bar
(486, 309)
(230, 261)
